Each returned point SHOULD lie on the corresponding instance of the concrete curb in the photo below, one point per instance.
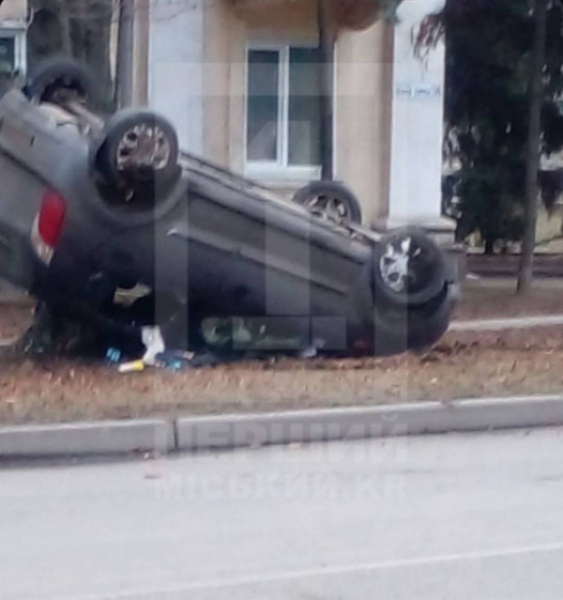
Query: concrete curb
(192, 434)
(205, 433)
(506, 324)
(86, 439)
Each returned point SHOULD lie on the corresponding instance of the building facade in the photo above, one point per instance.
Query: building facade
(240, 81)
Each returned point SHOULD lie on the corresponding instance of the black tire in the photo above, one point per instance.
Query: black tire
(426, 268)
(60, 79)
(112, 154)
(399, 329)
(311, 194)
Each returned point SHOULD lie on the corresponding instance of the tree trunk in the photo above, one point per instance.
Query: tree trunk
(78, 30)
(326, 47)
(525, 274)
(64, 19)
(125, 41)
(489, 246)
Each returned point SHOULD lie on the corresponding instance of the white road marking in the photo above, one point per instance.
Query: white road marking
(420, 561)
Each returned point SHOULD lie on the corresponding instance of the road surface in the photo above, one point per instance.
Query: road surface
(465, 517)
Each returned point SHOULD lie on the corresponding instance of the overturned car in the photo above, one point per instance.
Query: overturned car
(108, 224)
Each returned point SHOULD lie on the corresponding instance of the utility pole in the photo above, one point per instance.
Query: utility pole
(124, 62)
(526, 271)
(326, 50)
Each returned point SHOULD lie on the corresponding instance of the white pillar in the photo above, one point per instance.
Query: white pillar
(176, 55)
(417, 123)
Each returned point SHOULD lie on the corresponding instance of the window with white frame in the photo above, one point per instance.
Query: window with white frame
(283, 111)
(12, 50)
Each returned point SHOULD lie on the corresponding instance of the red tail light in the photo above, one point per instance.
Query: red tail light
(51, 218)
(48, 226)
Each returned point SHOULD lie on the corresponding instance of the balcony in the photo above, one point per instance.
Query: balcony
(344, 14)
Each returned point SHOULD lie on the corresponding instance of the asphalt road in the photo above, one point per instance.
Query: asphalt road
(467, 517)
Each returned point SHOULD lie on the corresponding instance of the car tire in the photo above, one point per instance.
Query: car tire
(319, 194)
(59, 79)
(409, 268)
(398, 329)
(115, 156)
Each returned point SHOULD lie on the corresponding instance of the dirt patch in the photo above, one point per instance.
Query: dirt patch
(492, 299)
(462, 365)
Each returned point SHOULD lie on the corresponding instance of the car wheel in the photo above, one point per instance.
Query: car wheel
(138, 147)
(60, 80)
(330, 201)
(409, 268)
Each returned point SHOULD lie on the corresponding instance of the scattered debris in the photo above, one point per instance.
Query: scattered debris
(135, 366)
(113, 355)
(154, 343)
(174, 361)
(128, 297)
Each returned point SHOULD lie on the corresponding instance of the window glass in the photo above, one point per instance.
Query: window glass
(7, 54)
(263, 105)
(304, 107)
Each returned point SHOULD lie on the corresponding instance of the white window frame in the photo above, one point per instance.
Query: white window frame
(279, 170)
(18, 34)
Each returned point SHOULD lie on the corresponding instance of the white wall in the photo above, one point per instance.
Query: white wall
(176, 67)
(13, 10)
